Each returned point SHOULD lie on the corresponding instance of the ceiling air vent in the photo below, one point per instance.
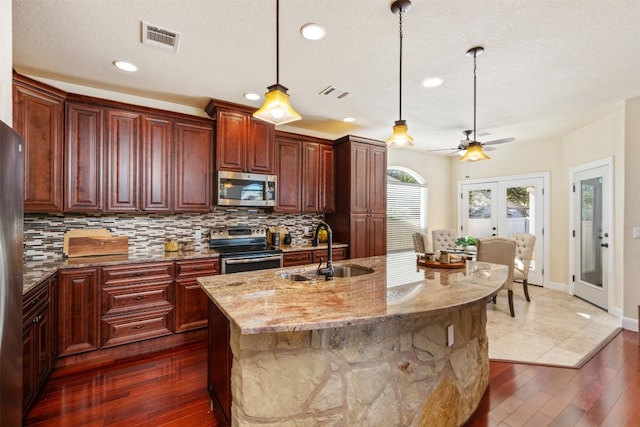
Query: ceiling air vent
(334, 92)
(159, 37)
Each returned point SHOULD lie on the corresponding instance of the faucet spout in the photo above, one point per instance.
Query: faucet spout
(327, 272)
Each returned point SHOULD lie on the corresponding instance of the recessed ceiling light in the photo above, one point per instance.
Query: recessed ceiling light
(348, 119)
(432, 82)
(252, 96)
(125, 66)
(313, 31)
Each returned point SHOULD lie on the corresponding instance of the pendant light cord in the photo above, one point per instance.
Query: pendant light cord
(475, 137)
(278, 42)
(400, 73)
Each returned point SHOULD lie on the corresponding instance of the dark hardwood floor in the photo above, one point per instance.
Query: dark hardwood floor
(169, 389)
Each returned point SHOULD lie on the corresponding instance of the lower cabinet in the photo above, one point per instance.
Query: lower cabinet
(191, 301)
(304, 257)
(38, 339)
(78, 311)
(219, 365)
(136, 302)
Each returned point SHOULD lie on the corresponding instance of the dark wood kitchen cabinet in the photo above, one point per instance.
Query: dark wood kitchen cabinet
(290, 259)
(121, 161)
(360, 215)
(78, 311)
(156, 189)
(136, 302)
(304, 166)
(219, 365)
(243, 144)
(83, 158)
(193, 166)
(191, 301)
(38, 338)
(38, 116)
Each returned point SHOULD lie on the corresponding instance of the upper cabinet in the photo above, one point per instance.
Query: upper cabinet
(243, 144)
(305, 172)
(38, 115)
(193, 172)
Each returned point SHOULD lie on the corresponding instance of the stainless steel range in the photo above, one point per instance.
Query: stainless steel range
(244, 249)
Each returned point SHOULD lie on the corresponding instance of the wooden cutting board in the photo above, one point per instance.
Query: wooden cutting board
(98, 245)
(82, 232)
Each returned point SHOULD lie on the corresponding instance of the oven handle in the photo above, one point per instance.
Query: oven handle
(252, 260)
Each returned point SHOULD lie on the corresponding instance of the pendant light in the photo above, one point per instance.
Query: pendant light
(400, 136)
(474, 149)
(276, 108)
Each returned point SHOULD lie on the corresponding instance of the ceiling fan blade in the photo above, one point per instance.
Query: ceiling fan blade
(442, 149)
(499, 141)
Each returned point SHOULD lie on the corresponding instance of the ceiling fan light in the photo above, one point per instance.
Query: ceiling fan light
(400, 136)
(474, 153)
(276, 108)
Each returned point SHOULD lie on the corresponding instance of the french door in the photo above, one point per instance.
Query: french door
(504, 207)
(591, 224)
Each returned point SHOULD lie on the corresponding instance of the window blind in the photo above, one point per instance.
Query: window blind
(406, 213)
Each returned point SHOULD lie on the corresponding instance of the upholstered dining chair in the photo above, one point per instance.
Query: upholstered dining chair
(525, 243)
(500, 250)
(420, 242)
(443, 239)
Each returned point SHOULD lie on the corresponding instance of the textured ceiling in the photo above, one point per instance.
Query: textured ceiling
(549, 66)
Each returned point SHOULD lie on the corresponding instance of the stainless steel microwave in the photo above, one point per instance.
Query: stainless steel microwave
(246, 189)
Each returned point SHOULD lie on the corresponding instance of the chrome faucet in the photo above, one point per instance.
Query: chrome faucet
(327, 272)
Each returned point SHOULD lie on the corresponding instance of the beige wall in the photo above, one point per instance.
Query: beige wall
(631, 272)
(6, 63)
(436, 172)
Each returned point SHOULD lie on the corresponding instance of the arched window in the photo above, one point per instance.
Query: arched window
(406, 207)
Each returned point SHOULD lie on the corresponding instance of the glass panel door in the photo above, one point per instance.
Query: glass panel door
(591, 229)
(479, 207)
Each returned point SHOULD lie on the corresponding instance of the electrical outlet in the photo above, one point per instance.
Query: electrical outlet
(306, 230)
(450, 336)
(198, 235)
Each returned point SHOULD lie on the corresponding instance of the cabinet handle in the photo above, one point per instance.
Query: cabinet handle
(140, 297)
(137, 327)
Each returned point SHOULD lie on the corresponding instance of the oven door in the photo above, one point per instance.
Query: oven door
(240, 263)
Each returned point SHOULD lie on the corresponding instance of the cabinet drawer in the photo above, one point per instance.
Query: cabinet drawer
(34, 300)
(338, 254)
(113, 276)
(123, 299)
(124, 329)
(197, 268)
(296, 258)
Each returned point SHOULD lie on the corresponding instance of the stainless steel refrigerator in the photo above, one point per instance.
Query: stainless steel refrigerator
(11, 212)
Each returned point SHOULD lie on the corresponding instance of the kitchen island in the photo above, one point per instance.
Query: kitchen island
(404, 345)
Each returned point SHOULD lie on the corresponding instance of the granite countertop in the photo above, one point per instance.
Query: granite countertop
(35, 272)
(262, 302)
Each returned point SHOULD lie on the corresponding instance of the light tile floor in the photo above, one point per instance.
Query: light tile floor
(555, 328)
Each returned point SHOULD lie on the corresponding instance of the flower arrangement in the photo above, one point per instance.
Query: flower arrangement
(466, 241)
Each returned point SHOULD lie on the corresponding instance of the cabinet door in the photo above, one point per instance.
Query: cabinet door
(360, 178)
(219, 364)
(193, 167)
(38, 117)
(156, 190)
(377, 180)
(288, 158)
(231, 140)
(291, 259)
(326, 180)
(359, 236)
(78, 311)
(83, 156)
(191, 300)
(121, 161)
(377, 232)
(310, 177)
(261, 148)
(29, 371)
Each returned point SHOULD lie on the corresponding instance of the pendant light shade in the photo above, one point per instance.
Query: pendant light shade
(400, 136)
(276, 108)
(474, 150)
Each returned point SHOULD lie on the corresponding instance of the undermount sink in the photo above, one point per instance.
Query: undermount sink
(351, 270)
(294, 277)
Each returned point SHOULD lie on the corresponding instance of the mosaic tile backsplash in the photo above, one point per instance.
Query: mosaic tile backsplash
(44, 233)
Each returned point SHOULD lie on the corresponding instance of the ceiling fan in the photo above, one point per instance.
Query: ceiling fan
(464, 143)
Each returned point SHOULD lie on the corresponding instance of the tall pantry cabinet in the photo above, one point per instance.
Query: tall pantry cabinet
(360, 217)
